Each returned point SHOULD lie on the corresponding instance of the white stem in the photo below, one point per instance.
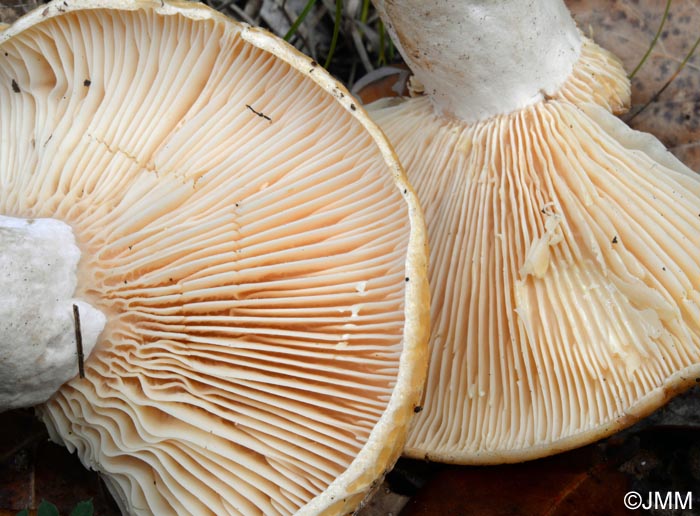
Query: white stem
(38, 260)
(480, 58)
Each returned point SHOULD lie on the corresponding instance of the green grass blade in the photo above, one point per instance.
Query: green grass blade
(300, 19)
(336, 31)
(653, 41)
(381, 51)
(364, 14)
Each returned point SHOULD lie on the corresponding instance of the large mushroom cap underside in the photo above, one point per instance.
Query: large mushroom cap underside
(254, 246)
(564, 272)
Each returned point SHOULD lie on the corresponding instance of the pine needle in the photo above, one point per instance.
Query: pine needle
(656, 95)
(653, 41)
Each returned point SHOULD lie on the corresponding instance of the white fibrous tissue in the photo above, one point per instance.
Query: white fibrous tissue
(538, 254)
(38, 278)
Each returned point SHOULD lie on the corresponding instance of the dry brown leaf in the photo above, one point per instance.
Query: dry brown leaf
(627, 28)
(32, 469)
(661, 455)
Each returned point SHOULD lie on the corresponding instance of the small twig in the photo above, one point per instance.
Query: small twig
(252, 8)
(240, 13)
(79, 341)
(353, 72)
(259, 113)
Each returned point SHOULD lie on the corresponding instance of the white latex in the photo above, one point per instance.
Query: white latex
(38, 264)
(481, 58)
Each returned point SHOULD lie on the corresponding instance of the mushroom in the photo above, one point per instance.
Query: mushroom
(247, 237)
(564, 261)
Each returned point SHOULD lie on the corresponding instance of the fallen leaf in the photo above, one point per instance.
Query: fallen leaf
(33, 470)
(575, 483)
(651, 458)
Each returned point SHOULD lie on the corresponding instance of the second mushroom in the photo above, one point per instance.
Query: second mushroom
(564, 267)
